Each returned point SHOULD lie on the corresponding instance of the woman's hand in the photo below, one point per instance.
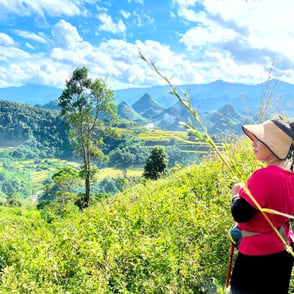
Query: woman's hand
(236, 188)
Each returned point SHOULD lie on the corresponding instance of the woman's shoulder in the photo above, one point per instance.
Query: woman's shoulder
(272, 170)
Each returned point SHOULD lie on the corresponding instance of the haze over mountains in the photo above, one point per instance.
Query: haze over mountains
(217, 102)
(219, 91)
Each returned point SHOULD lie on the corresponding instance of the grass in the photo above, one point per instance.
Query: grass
(39, 176)
(40, 172)
(159, 134)
(162, 236)
(114, 172)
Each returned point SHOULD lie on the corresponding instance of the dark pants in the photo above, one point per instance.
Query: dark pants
(268, 274)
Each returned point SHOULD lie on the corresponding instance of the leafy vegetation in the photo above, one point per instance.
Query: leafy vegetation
(163, 236)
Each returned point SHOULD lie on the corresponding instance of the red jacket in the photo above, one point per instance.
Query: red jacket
(273, 188)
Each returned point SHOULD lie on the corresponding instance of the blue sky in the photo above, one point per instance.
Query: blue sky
(190, 41)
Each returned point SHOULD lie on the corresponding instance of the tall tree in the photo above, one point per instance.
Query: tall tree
(86, 104)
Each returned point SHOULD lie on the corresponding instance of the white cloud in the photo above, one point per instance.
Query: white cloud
(6, 40)
(242, 34)
(39, 7)
(188, 14)
(65, 35)
(207, 35)
(258, 19)
(136, 1)
(44, 72)
(233, 40)
(32, 36)
(12, 73)
(125, 14)
(12, 53)
(108, 24)
(176, 67)
(30, 46)
(186, 3)
(141, 18)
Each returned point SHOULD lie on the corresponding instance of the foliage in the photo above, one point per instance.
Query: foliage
(14, 180)
(156, 163)
(113, 185)
(168, 236)
(67, 179)
(35, 131)
(83, 104)
(130, 151)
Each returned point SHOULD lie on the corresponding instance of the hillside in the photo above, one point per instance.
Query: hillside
(42, 129)
(165, 236)
(162, 110)
(33, 137)
(125, 111)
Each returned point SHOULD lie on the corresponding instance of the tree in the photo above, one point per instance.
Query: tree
(86, 104)
(156, 163)
(67, 179)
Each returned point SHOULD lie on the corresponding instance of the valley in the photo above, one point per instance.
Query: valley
(35, 140)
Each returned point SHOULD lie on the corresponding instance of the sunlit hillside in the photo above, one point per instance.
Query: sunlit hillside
(165, 236)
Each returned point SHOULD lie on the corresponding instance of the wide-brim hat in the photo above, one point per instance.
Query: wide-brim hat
(275, 134)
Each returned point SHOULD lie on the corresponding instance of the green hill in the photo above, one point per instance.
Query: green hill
(43, 130)
(166, 236)
(147, 106)
(125, 111)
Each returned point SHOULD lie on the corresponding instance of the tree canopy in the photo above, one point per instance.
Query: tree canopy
(156, 163)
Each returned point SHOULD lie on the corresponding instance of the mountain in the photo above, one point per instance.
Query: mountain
(50, 105)
(147, 106)
(204, 97)
(30, 94)
(43, 130)
(169, 119)
(214, 95)
(227, 120)
(132, 95)
(125, 111)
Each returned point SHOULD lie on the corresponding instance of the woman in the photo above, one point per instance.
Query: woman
(263, 265)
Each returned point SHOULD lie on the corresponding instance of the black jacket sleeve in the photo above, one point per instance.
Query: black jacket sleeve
(241, 210)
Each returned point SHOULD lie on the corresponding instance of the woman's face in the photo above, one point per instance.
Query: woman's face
(262, 153)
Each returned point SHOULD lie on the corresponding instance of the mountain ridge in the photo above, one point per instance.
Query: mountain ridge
(204, 97)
